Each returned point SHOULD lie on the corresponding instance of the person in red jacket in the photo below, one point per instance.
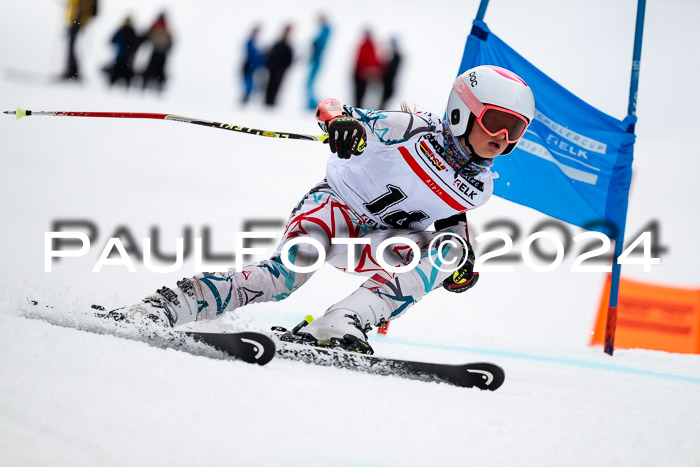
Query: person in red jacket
(368, 67)
(161, 39)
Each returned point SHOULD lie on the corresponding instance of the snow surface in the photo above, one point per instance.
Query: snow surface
(70, 397)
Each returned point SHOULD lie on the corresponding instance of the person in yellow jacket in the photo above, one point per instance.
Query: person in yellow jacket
(78, 15)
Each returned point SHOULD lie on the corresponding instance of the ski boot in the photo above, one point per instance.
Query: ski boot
(166, 307)
(339, 330)
(345, 325)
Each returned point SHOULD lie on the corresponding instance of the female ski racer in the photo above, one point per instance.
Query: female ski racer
(391, 174)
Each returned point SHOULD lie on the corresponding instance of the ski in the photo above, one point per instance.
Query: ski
(260, 348)
(247, 346)
(482, 375)
(251, 347)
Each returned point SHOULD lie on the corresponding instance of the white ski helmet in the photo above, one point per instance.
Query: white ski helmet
(489, 85)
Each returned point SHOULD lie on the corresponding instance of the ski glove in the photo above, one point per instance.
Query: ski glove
(463, 278)
(346, 136)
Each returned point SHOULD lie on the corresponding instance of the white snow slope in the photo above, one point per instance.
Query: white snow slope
(69, 397)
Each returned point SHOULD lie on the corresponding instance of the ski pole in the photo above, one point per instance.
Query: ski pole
(20, 112)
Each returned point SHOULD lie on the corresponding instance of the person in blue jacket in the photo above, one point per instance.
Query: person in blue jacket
(127, 42)
(254, 60)
(317, 48)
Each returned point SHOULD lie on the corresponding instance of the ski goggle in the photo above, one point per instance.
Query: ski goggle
(492, 119)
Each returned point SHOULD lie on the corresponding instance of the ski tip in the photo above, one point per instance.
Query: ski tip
(486, 376)
(20, 112)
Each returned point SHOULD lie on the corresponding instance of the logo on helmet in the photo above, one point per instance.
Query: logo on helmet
(472, 78)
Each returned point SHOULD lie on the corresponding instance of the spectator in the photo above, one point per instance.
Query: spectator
(254, 60)
(390, 69)
(278, 60)
(160, 38)
(368, 68)
(317, 48)
(78, 15)
(127, 42)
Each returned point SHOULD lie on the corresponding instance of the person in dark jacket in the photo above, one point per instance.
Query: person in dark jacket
(278, 60)
(160, 38)
(391, 67)
(127, 42)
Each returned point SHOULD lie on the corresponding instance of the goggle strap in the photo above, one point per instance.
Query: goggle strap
(462, 89)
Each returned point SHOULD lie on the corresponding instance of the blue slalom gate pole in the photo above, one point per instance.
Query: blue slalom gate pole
(636, 58)
(611, 321)
(482, 10)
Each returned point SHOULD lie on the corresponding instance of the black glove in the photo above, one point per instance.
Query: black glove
(346, 136)
(463, 278)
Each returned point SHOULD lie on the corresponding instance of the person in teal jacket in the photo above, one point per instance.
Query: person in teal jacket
(317, 48)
